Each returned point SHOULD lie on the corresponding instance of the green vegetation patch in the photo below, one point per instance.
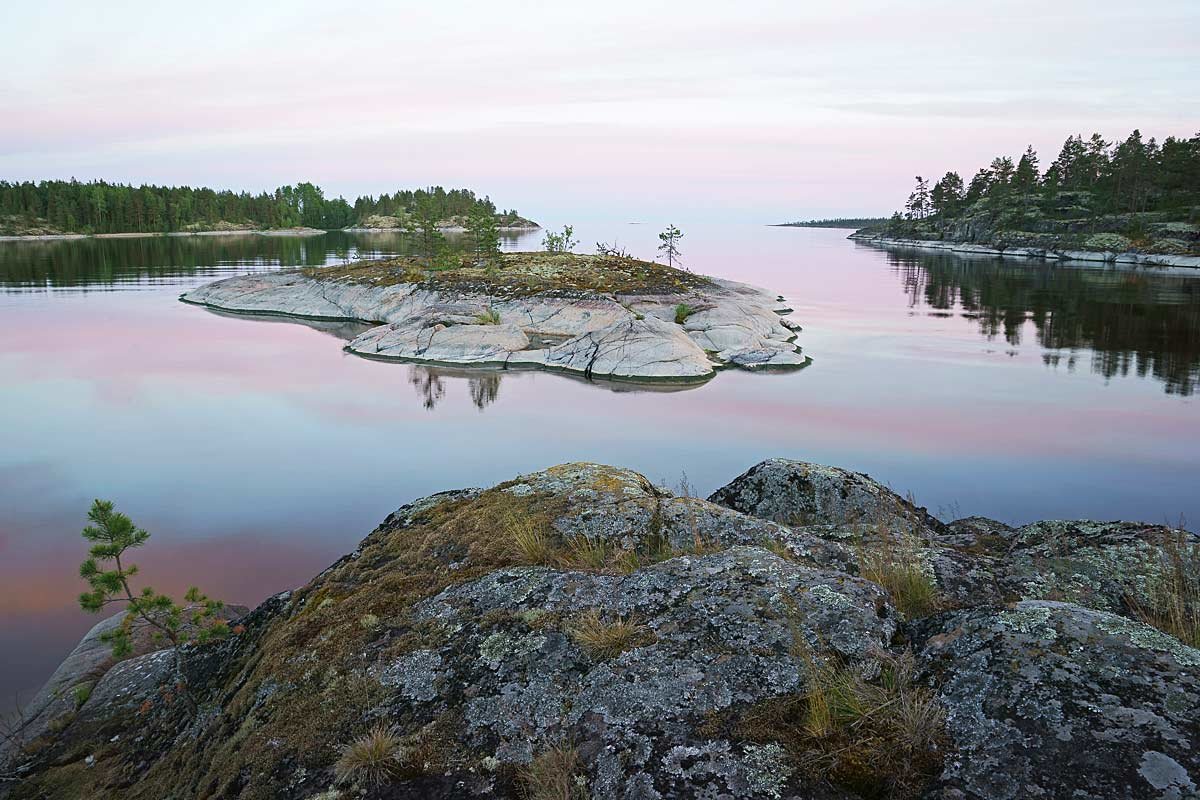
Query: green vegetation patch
(523, 274)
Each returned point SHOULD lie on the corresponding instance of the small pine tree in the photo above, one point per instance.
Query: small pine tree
(485, 235)
(670, 244)
(112, 534)
(423, 224)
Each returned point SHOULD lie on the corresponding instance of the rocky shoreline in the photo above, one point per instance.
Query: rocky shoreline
(600, 317)
(1044, 253)
(580, 632)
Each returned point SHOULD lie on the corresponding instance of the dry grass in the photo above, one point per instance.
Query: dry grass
(587, 552)
(1172, 600)
(608, 639)
(879, 738)
(778, 548)
(370, 760)
(530, 539)
(895, 563)
(554, 775)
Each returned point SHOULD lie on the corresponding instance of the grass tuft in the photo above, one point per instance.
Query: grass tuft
(608, 639)
(682, 312)
(530, 539)
(370, 760)
(879, 738)
(1172, 597)
(896, 565)
(587, 552)
(488, 317)
(81, 693)
(555, 774)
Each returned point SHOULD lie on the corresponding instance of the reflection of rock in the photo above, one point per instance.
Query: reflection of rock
(602, 334)
(673, 648)
(344, 330)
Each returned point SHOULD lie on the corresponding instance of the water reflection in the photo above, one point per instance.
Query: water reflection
(429, 385)
(482, 385)
(258, 452)
(64, 263)
(1134, 321)
(484, 388)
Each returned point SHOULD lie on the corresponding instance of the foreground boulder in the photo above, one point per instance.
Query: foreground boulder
(579, 632)
(1052, 700)
(800, 493)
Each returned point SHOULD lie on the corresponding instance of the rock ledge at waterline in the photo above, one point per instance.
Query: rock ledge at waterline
(600, 316)
(479, 629)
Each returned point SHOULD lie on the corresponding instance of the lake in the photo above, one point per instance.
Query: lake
(256, 452)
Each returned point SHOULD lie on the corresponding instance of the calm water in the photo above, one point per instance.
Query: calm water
(257, 452)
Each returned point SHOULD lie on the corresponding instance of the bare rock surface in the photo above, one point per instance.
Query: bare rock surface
(800, 493)
(718, 632)
(1052, 700)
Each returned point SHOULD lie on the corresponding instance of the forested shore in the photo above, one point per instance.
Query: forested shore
(1132, 196)
(49, 208)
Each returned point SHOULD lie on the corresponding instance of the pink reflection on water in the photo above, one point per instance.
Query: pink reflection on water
(258, 451)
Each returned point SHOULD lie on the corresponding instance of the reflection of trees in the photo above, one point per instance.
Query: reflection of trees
(484, 388)
(430, 384)
(1132, 321)
(79, 262)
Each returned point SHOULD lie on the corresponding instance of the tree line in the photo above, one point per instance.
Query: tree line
(834, 222)
(1130, 176)
(102, 207)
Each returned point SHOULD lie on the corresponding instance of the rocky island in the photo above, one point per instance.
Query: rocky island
(609, 317)
(580, 632)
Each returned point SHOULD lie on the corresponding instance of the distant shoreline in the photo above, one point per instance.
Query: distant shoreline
(56, 237)
(306, 232)
(845, 223)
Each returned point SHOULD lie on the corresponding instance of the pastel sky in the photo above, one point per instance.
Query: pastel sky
(747, 111)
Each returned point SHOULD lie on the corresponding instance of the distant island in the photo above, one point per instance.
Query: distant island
(61, 208)
(836, 222)
(1135, 202)
(606, 316)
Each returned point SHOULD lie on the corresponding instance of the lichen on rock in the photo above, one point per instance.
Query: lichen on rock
(649, 645)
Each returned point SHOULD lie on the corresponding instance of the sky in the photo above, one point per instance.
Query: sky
(694, 111)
